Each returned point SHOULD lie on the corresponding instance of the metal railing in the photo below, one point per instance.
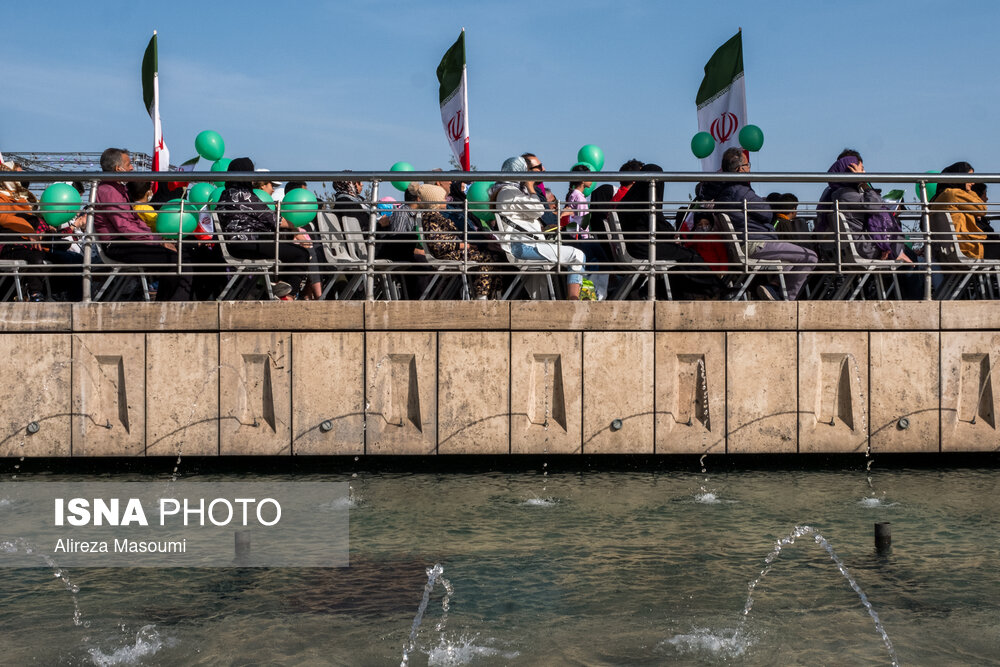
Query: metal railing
(939, 262)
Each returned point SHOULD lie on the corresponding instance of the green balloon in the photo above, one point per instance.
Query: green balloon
(210, 145)
(264, 197)
(591, 154)
(59, 203)
(299, 207)
(702, 145)
(200, 193)
(171, 222)
(213, 199)
(401, 166)
(221, 165)
(751, 138)
(931, 187)
(478, 196)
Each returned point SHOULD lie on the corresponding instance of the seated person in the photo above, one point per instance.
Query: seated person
(965, 208)
(250, 227)
(693, 279)
(991, 244)
(128, 239)
(876, 232)
(38, 244)
(757, 229)
(519, 216)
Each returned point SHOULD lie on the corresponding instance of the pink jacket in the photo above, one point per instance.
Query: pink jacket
(115, 220)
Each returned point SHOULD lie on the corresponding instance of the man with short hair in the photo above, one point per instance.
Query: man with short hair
(757, 229)
(128, 238)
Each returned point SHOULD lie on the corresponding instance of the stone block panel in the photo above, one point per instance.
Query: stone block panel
(401, 386)
(761, 392)
(182, 394)
(868, 315)
(581, 315)
(291, 315)
(328, 384)
(905, 390)
(970, 393)
(38, 376)
(440, 315)
(109, 394)
(833, 391)
(140, 316)
(618, 372)
(690, 393)
(473, 392)
(255, 393)
(970, 315)
(546, 397)
(725, 315)
(28, 316)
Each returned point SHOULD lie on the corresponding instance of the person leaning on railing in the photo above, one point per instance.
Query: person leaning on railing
(128, 239)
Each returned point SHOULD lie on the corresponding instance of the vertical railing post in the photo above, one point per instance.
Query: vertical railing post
(925, 223)
(180, 239)
(370, 244)
(465, 251)
(651, 288)
(87, 234)
(746, 237)
(836, 234)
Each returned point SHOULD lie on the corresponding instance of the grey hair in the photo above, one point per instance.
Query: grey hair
(112, 158)
(732, 159)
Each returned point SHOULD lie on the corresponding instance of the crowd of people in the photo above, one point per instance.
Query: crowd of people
(727, 223)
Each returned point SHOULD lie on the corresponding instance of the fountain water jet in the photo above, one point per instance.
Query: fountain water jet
(798, 532)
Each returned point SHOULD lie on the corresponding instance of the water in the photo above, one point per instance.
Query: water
(612, 569)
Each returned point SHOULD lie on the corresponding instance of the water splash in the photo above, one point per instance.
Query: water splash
(798, 532)
(706, 498)
(725, 643)
(541, 502)
(875, 502)
(147, 643)
(463, 651)
(433, 573)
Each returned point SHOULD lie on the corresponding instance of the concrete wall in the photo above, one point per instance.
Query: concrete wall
(355, 378)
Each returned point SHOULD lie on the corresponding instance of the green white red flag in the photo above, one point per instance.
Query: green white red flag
(151, 97)
(453, 95)
(722, 100)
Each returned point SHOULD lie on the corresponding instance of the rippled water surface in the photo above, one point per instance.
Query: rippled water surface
(599, 568)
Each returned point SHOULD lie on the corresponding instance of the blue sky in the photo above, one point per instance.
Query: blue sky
(330, 85)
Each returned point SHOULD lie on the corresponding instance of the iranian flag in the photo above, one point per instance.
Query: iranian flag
(722, 100)
(454, 97)
(151, 96)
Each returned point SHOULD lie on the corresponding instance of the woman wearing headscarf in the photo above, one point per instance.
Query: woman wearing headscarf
(518, 215)
(250, 227)
(965, 208)
(876, 233)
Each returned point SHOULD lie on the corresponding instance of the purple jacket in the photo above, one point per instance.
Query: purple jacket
(115, 220)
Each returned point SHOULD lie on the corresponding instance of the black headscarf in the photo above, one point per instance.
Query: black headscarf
(956, 168)
(240, 164)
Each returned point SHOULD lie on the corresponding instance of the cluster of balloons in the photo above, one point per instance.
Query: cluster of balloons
(299, 206)
(751, 138)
